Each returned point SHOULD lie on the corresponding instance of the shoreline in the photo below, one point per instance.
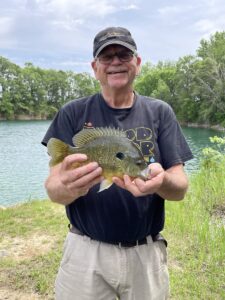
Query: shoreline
(205, 126)
(25, 118)
(187, 124)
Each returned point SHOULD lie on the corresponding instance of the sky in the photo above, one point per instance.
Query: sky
(58, 34)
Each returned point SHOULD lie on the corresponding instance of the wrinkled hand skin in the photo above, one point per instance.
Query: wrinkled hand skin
(65, 184)
(139, 187)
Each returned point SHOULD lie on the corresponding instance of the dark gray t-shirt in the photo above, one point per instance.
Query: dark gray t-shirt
(115, 215)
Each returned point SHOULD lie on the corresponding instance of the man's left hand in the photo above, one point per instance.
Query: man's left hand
(139, 187)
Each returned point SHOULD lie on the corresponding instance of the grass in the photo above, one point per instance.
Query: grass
(196, 238)
(32, 236)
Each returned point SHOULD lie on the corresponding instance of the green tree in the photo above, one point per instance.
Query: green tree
(158, 81)
(214, 47)
(187, 102)
(8, 81)
(82, 84)
(211, 78)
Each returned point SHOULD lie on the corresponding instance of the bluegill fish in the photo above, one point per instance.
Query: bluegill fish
(109, 147)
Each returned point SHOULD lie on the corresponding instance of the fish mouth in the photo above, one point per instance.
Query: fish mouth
(145, 174)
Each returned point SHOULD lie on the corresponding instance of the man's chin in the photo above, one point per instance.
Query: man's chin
(117, 83)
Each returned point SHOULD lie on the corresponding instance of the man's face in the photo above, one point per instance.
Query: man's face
(116, 67)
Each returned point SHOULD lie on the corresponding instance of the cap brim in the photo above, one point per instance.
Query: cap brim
(114, 42)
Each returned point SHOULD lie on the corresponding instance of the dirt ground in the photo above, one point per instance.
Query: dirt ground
(19, 249)
(6, 294)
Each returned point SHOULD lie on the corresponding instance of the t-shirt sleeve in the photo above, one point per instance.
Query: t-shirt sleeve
(62, 127)
(173, 146)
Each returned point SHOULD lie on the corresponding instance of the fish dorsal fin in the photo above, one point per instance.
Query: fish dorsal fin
(88, 134)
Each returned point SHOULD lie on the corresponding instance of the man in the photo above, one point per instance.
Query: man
(114, 249)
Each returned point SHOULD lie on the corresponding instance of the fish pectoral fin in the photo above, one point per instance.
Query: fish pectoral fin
(105, 184)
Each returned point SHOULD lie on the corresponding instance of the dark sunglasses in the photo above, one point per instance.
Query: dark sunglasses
(123, 56)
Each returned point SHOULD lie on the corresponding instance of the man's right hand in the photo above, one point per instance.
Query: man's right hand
(65, 183)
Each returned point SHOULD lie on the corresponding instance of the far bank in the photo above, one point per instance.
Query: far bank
(22, 117)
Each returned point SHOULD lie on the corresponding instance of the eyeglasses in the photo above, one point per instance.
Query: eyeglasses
(123, 56)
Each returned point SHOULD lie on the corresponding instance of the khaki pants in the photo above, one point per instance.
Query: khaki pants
(92, 270)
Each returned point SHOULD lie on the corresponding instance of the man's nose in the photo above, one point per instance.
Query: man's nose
(115, 59)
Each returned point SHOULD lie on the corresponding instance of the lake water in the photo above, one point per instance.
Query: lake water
(24, 161)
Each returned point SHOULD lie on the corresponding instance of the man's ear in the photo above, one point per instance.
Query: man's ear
(93, 65)
(138, 65)
(94, 68)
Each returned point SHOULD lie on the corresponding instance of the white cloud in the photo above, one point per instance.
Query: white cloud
(84, 8)
(208, 27)
(211, 18)
(5, 25)
(6, 39)
(205, 25)
(168, 10)
(131, 7)
(67, 24)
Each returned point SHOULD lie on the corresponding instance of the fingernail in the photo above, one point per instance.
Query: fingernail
(95, 165)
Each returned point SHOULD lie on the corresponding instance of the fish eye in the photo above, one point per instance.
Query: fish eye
(120, 155)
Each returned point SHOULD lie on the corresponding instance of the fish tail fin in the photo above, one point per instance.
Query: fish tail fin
(58, 150)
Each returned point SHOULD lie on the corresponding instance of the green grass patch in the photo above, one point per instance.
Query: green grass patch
(197, 238)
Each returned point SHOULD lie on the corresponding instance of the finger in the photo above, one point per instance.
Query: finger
(150, 186)
(73, 158)
(118, 181)
(81, 191)
(143, 186)
(155, 169)
(89, 179)
(158, 177)
(75, 174)
(131, 186)
(95, 181)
